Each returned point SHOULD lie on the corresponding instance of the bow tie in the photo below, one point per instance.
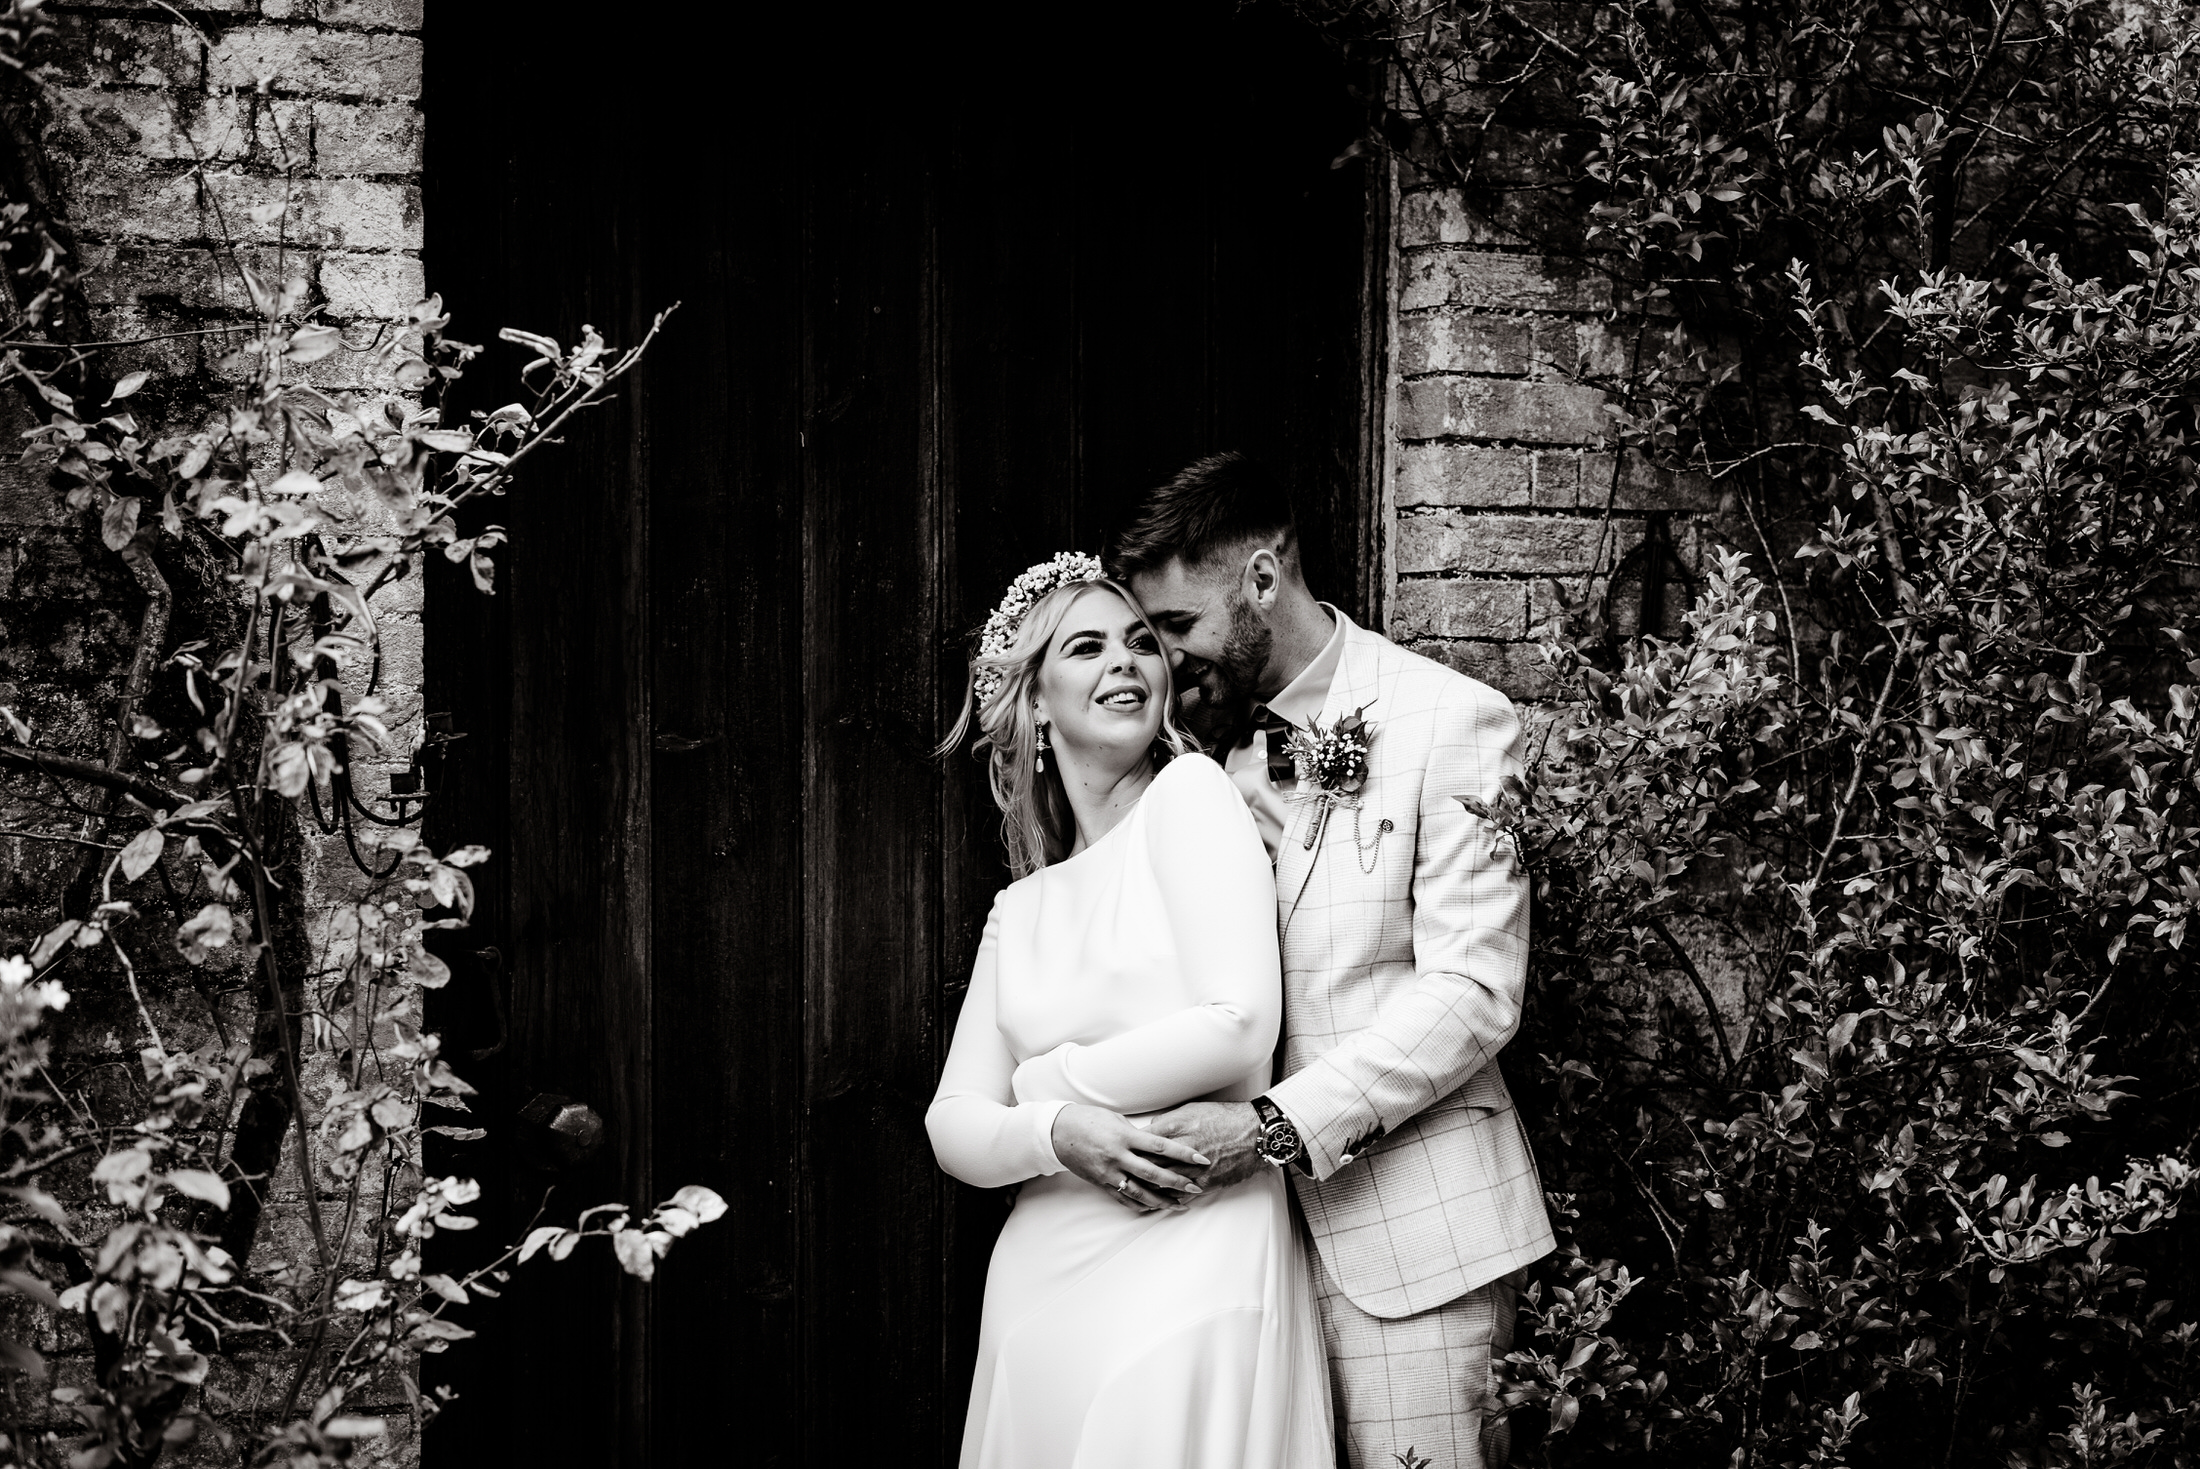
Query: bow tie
(1278, 729)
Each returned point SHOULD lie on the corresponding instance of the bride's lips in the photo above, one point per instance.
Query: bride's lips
(1127, 698)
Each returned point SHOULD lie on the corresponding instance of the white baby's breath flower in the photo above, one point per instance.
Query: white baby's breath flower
(15, 970)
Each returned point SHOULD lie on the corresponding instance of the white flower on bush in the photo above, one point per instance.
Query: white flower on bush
(361, 1295)
(431, 1210)
(16, 985)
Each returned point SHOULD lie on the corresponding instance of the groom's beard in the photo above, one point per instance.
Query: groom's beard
(1215, 696)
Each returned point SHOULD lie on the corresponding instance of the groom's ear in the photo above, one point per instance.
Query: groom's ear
(1263, 579)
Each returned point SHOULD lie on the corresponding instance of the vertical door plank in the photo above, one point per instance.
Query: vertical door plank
(574, 865)
(874, 517)
(726, 810)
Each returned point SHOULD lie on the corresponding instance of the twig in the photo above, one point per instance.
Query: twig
(1711, 1006)
(129, 972)
(1856, 771)
(617, 370)
(45, 836)
(39, 761)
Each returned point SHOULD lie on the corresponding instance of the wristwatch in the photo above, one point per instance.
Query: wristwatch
(1279, 1141)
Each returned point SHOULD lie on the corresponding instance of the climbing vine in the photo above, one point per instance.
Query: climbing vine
(135, 1216)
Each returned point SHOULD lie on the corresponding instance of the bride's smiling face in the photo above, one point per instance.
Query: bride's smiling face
(1103, 682)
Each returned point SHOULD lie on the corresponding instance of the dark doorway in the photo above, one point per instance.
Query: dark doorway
(958, 283)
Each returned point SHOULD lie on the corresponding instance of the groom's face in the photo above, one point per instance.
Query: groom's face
(1217, 642)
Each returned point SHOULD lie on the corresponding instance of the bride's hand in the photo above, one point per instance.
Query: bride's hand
(1118, 1158)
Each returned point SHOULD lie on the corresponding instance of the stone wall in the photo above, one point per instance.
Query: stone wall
(286, 135)
(1505, 500)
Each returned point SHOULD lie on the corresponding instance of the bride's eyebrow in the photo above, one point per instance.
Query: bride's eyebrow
(1070, 637)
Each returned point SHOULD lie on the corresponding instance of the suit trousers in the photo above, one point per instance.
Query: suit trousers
(1419, 1386)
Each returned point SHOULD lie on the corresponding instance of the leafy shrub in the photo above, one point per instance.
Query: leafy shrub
(1901, 1174)
(149, 1249)
(1857, 1041)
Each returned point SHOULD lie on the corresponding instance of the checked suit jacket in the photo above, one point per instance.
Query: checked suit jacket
(1405, 954)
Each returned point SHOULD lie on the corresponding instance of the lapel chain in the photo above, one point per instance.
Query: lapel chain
(1366, 850)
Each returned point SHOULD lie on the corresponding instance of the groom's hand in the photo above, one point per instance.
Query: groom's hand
(1123, 1160)
(1224, 1132)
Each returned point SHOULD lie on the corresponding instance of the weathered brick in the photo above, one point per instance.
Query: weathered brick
(323, 63)
(1441, 217)
(1493, 280)
(1516, 670)
(1459, 609)
(1640, 485)
(128, 52)
(173, 351)
(1545, 604)
(376, 138)
(371, 285)
(1606, 350)
(1498, 408)
(400, 15)
(138, 275)
(1463, 474)
(1456, 341)
(1511, 545)
(1528, 219)
(355, 214)
(1557, 479)
(164, 124)
(153, 7)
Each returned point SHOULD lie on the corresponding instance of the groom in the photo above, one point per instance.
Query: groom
(1404, 923)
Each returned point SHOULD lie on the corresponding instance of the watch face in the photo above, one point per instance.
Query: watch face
(1280, 1142)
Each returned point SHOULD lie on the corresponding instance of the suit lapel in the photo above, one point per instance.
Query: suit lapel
(1352, 688)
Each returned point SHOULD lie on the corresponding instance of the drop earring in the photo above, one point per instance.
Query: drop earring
(1043, 748)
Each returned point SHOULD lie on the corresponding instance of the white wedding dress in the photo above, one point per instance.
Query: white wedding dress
(1138, 974)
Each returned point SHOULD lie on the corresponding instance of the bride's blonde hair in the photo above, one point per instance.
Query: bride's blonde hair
(1037, 824)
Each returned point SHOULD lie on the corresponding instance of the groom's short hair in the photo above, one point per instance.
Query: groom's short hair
(1217, 506)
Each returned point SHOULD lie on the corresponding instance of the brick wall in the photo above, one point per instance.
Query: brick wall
(1504, 499)
(167, 141)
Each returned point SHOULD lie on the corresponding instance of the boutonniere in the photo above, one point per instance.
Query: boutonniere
(1334, 759)
(1334, 762)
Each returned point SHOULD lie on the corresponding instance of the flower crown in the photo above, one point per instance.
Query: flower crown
(1067, 568)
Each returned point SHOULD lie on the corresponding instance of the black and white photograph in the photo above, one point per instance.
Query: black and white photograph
(1230, 734)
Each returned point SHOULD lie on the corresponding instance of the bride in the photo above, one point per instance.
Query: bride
(1130, 1319)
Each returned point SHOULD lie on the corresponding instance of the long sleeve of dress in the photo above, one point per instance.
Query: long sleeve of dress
(1220, 896)
(979, 1132)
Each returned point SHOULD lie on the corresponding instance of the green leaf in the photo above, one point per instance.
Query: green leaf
(703, 1203)
(23, 1283)
(141, 852)
(311, 344)
(197, 1183)
(42, 954)
(118, 527)
(537, 1238)
(351, 1427)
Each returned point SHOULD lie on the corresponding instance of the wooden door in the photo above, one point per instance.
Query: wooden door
(954, 292)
